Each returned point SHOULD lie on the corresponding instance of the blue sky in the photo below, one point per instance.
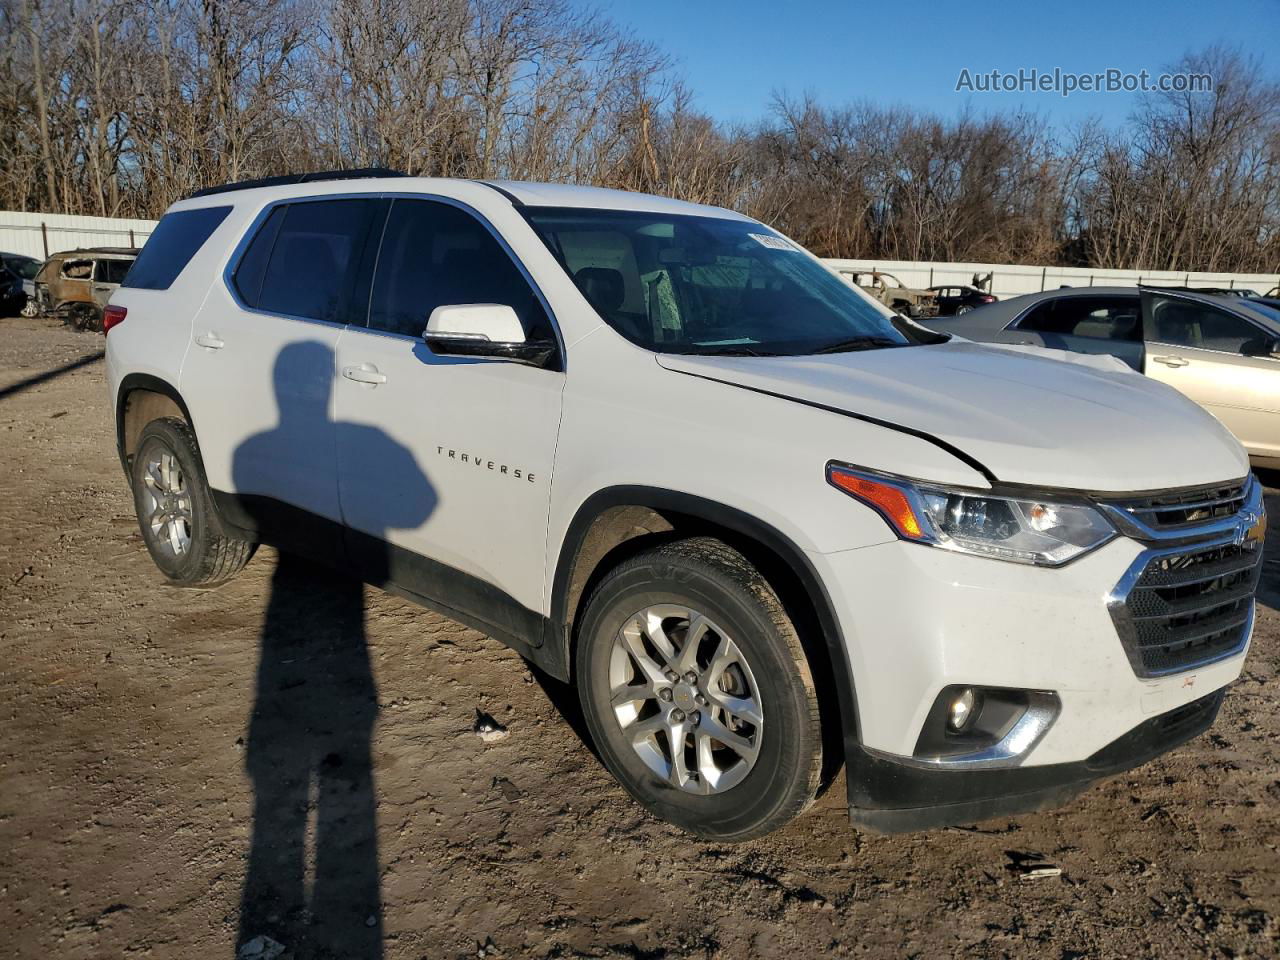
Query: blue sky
(736, 54)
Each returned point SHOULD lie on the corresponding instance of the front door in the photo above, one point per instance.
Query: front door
(1203, 351)
(446, 459)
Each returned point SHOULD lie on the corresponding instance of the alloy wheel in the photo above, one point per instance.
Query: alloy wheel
(685, 698)
(167, 503)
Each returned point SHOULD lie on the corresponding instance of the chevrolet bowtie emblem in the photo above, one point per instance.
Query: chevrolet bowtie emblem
(1251, 527)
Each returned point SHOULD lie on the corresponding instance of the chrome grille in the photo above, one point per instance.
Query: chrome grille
(1186, 607)
(1186, 508)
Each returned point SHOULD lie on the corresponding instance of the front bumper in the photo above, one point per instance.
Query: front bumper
(916, 620)
(890, 797)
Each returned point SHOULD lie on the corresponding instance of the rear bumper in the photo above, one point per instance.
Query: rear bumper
(889, 796)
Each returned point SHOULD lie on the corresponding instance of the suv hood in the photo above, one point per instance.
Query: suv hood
(1036, 419)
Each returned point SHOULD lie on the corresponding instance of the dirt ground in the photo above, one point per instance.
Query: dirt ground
(130, 752)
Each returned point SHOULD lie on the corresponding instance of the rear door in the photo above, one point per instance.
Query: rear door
(1201, 350)
(1085, 324)
(74, 283)
(259, 373)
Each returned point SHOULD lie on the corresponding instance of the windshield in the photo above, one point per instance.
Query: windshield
(24, 267)
(707, 285)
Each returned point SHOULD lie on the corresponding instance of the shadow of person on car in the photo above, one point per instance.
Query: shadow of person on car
(309, 742)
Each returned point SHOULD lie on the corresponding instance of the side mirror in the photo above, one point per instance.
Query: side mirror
(1260, 347)
(484, 330)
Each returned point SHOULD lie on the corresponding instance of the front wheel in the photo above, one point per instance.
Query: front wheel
(697, 691)
(180, 526)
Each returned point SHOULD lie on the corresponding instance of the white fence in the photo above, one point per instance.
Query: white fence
(1011, 280)
(40, 234)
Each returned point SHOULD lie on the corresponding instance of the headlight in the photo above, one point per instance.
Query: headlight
(1046, 532)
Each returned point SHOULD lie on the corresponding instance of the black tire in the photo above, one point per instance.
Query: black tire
(212, 555)
(963, 309)
(715, 580)
(85, 317)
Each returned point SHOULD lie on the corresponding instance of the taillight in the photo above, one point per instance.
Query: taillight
(987, 299)
(112, 316)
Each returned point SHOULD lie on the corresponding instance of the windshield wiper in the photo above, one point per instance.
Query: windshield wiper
(858, 343)
(735, 350)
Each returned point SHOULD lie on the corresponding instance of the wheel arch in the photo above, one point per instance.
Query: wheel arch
(140, 399)
(617, 521)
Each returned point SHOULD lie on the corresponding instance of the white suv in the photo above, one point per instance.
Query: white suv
(764, 524)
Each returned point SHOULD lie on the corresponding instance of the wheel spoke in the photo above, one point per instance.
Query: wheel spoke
(744, 708)
(175, 536)
(686, 659)
(642, 730)
(631, 693)
(679, 775)
(734, 741)
(649, 668)
(651, 627)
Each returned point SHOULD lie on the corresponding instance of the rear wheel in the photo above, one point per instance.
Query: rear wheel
(179, 523)
(963, 309)
(697, 692)
(84, 316)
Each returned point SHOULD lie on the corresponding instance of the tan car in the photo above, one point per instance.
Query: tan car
(1222, 352)
(894, 294)
(75, 285)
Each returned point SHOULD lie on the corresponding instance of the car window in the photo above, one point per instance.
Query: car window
(1189, 324)
(253, 263)
(22, 267)
(175, 241)
(434, 254)
(303, 260)
(1101, 318)
(112, 271)
(77, 269)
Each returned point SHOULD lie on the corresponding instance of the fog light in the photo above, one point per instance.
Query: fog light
(961, 710)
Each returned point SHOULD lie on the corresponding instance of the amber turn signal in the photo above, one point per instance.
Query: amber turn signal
(889, 500)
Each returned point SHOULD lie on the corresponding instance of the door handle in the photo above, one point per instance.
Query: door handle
(1172, 361)
(364, 373)
(211, 341)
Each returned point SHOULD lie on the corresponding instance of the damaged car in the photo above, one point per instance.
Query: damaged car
(75, 285)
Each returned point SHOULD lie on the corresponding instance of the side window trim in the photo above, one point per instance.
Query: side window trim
(237, 254)
(501, 241)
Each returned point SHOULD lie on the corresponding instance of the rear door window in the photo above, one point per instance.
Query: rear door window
(175, 241)
(304, 260)
(113, 271)
(1100, 318)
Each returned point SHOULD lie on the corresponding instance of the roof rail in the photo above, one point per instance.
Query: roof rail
(292, 178)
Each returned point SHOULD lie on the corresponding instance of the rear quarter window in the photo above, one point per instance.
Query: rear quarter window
(177, 237)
